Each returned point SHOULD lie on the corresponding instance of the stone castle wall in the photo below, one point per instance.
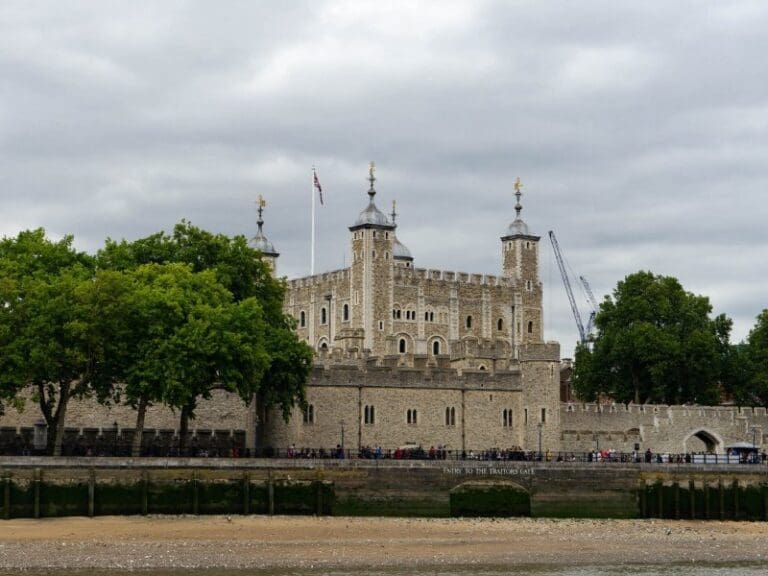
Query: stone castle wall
(224, 411)
(674, 429)
(457, 410)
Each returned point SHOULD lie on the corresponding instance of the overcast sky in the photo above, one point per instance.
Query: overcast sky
(639, 130)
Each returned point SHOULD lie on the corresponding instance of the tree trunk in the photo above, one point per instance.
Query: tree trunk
(45, 409)
(59, 418)
(183, 429)
(139, 433)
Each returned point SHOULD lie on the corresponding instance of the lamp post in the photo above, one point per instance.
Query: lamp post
(754, 443)
(539, 426)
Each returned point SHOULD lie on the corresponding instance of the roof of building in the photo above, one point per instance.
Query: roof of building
(400, 251)
(372, 216)
(260, 241)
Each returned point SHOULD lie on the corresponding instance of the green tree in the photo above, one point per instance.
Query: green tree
(44, 326)
(753, 358)
(173, 335)
(240, 269)
(655, 343)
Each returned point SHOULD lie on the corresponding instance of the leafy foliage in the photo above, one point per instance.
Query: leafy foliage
(240, 269)
(655, 343)
(44, 325)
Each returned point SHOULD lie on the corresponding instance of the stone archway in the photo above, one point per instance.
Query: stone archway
(703, 440)
(497, 498)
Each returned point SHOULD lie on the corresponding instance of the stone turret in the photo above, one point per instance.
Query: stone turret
(372, 273)
(261, 243)
(520, 262)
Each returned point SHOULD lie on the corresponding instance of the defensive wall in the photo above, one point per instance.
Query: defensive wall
(45, 487)
(662, 428)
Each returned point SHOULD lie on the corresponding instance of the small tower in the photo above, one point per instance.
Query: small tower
(400, 253)
(520, 262)
(261, 243)
(371, 277)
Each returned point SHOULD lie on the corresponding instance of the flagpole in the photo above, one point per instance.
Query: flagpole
(312, 263)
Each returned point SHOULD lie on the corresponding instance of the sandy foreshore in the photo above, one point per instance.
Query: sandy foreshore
(280, 541)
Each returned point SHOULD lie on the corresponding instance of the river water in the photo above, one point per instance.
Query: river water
(632, 570)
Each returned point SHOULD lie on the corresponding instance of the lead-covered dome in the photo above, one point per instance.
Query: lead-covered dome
(260, 242)
(518, 228)
(372, 216)
(400, 251)
(263, 245)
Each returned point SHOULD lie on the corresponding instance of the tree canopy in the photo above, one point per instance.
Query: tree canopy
(44, 325)
(164, 319)
(655, 342)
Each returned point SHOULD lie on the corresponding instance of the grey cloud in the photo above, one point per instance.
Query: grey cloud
(639, 130)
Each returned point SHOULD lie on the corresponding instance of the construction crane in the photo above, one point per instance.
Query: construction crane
(584, 333)
(592, 303)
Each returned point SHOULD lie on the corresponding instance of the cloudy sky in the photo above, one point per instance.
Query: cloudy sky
(640, 130)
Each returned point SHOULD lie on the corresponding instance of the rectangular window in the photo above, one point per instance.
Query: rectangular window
(309, 414)
(543, 415)
(369, 415)
(525, 415)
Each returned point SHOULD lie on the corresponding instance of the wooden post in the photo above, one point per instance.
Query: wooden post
(660, 510)
(195, 503)
(36, 492)
(319, 497)
(91, 493)
(144, 492)
(270, 494)
(721, 495)
(706, 500)
(246, 493)
(7, 498)
(676, 493)
(692, 498)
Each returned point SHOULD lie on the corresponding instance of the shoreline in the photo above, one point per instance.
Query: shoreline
(162, 542)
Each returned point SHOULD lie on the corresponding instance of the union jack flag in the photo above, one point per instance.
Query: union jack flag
(317, 185)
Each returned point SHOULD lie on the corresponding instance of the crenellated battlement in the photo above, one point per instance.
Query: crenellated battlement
(449, 276)
(331, 277)
(665, 410)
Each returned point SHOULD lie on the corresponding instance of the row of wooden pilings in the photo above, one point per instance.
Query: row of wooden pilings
(194, 482)
(703, 500)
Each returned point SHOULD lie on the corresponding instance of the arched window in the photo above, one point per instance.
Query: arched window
(436, 347)
(302, 319)
(431, 316)
(500, 324)
(450, 416)
(507, 417)
(402, 346)
(323, 315)
(369, 415)
(530, 327)
(411, 417)
(482, 368)
(345, 313)
(324, 345)
(469, 322)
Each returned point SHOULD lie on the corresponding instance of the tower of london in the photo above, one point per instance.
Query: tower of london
(410, 355)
